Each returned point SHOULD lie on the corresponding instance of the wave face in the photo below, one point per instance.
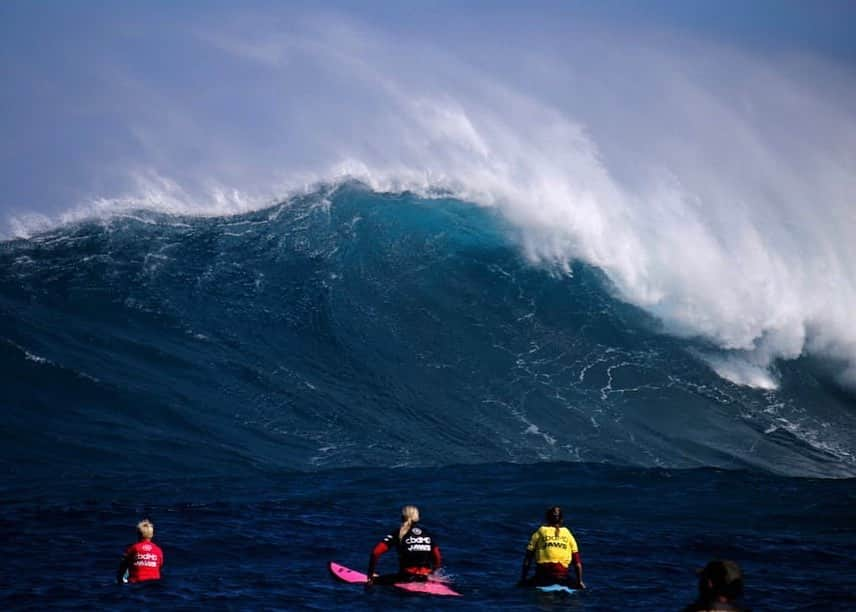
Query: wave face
(708, 176)
(349, 327)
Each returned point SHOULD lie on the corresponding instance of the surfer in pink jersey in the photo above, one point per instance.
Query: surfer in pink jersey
(418, 553)
(143, 560)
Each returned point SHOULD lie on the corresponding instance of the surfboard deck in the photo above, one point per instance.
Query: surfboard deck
(556, 588)
(430, 587)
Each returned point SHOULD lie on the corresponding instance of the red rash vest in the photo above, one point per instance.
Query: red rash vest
(144, 561)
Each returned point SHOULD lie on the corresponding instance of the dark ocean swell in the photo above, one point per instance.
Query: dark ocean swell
(348, 328)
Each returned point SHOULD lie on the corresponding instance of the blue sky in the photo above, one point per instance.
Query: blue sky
(70, 69)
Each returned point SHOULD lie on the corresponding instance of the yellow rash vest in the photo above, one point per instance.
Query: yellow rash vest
(551, 548)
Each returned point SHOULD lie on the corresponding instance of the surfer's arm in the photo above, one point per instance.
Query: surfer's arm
(124, 564)
(378, 550)
(527, 561)
(577, 562)
(437, 558)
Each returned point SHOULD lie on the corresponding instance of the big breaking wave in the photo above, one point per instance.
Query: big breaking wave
(345, 328)
(713, 187)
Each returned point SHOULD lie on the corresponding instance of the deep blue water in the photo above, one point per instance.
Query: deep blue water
(270, 388)
(263, 541)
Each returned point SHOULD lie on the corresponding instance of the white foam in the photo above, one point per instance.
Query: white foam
(713, 186)
(742, 372)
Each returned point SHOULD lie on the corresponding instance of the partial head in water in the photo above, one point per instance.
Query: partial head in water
(145, 529)
(720, 579)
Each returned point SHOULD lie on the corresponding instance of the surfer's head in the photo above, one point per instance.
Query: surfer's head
(145, 529)
(553, 516)
(720, 578)
(410, 513)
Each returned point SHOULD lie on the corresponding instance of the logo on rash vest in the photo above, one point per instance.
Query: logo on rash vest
(146, 560)
(417, 531)
(420, 543)
(555, 544)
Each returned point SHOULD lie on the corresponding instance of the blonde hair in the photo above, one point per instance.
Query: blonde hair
(145, 529)
(409, 515)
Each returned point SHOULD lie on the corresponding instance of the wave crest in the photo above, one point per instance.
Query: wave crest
(711, 185)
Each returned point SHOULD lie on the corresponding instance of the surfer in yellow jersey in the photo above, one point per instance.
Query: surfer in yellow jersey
(554, 550)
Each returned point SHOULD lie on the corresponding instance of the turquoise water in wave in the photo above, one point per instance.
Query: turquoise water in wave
(271, 387)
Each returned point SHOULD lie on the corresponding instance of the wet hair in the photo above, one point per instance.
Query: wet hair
(145, 529)
(409, 515)
(553, 516)
(721, 578)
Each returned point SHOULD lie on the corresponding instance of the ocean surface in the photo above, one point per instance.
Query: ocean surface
(270, 387)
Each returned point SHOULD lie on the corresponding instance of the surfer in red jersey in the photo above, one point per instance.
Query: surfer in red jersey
(418, 553)
(143, 560)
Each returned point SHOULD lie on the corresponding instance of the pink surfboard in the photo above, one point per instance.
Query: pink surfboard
(431, 587)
